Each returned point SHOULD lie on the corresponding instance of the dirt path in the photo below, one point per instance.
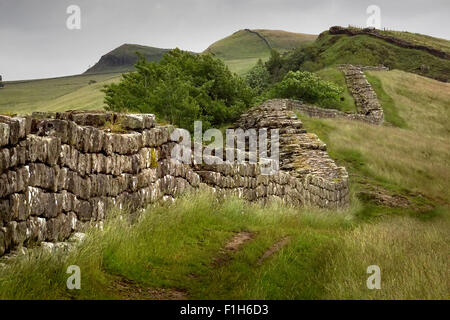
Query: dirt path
(129, 290)
(233, 245)
(276, 247)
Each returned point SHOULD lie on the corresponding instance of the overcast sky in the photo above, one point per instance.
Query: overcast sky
(35, 42)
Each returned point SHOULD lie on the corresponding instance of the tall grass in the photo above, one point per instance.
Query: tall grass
(173, 246)
(412, 159)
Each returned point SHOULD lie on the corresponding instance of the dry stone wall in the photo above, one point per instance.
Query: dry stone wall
(60, 172)
(368, 107)
(366, 100)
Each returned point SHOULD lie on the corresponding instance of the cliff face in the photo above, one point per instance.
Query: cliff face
(61, 172)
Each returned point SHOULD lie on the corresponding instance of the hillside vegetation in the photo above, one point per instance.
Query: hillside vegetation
(244, 48)
(57, 94)
(420, 39)
(332, 74)
(182, 88)
(329, 50)
(201, 247)
(411, 160)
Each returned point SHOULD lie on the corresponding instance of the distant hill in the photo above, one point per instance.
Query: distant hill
(332, 49)
(123, 58)
(242, 49)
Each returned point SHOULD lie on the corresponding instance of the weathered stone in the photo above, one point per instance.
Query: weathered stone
(4, 134)
(136, 121)
(2, 243)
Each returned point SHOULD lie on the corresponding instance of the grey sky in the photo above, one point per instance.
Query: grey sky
(35, 43)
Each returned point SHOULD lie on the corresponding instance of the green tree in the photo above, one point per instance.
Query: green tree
(181, 88)
(308, 87)
(274, 65)
(258, 77)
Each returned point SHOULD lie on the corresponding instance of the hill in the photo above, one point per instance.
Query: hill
(242, 49)
(364, 49)
(123, 58)
(55, 94)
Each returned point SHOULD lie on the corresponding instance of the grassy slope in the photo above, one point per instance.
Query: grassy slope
(337, 76)
(242, 49)
(366, 50)
(57, 94)
(420, 39)
(406, 160)
(174, 246)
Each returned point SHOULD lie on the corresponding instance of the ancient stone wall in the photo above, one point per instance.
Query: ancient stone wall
(366, 101)
(60, 172)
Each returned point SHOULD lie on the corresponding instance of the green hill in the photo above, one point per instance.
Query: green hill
(55, 94)
(333, 49)
(123, 58)
(242, 49)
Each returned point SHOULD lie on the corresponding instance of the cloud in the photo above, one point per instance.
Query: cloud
(36, 42)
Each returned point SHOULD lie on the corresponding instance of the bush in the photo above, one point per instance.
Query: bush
(308, 87)
(258, 78)
(181, 88)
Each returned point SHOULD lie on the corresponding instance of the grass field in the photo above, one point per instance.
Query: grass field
(57, 94)
(398, 219)
(413, 159)
(179, 251)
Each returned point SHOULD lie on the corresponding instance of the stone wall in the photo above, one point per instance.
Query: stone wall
(366, 101)
(61, 172)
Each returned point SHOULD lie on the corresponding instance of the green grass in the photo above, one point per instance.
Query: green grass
(390, 111)
(174, 246)
(243, 66)
(329, 50)
(241, 50)
(56, 94)
(411, 160)
(346, 104)
(243, 44)
(420, 39)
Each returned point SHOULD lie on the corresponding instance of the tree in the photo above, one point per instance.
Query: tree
(258, 78)
(308, 87)
(274, 65)
(181, 88)
(1, 82)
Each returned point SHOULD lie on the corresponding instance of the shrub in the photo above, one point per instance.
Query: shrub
(308, 87)
(258, 78)
(181, 88)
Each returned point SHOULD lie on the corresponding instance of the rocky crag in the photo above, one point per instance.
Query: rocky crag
(60, 172)
(366, 101)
